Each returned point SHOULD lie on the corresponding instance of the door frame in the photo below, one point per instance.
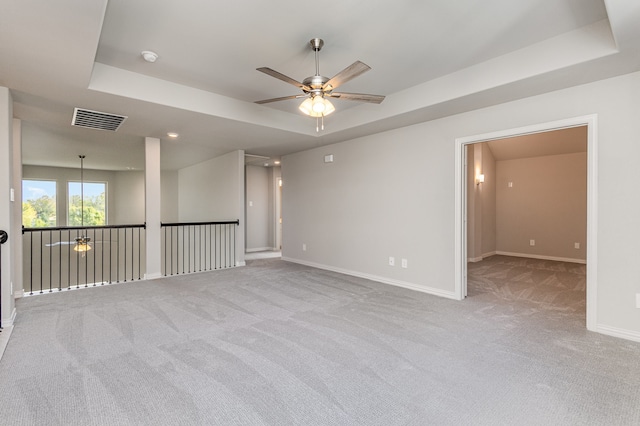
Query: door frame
(591, 121)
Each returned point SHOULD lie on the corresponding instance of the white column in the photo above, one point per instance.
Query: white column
(6, 220)
(16, 243)
(152, 208)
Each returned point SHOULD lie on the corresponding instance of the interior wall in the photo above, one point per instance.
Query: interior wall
(7, 223)
(169, 187)
(481, 202)
(274, 206)
(214, 191)
(128, 194)
(547, 203)
(211, 190)
(392, 194)
(257, 208)
(487, 191)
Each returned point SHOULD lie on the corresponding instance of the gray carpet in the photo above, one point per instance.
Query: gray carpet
(275, 343)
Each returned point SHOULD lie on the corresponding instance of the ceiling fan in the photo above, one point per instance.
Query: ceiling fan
(317, 89)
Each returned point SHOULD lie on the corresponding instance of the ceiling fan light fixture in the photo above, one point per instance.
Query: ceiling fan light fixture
(82, 244)
(317, 107)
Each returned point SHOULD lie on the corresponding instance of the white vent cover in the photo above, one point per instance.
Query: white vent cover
(97, 120)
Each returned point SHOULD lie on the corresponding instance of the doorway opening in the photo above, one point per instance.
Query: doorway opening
(470, 178)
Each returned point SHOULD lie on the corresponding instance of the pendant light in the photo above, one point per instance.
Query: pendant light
(82, 242)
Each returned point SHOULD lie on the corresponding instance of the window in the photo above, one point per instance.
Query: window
(95, 203)
(38, 203)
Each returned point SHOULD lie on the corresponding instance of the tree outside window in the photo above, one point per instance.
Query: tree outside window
(95, 213)
(38, 203)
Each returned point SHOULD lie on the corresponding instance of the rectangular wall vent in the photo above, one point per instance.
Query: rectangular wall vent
(97, 120)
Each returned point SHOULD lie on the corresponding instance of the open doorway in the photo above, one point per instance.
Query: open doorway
(469, 178)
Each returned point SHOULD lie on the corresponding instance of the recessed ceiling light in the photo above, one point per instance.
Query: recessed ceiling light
(276, 162)
(173, 135)
(149, 56)
(266, 164)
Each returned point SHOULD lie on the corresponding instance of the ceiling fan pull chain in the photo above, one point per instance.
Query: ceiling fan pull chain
(322, 121)
(317, 128)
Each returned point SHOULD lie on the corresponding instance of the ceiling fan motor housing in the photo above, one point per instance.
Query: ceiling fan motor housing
(315, 83)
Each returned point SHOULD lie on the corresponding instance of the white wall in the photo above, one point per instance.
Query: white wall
(488, 194)
(258, 215)
(128, 197)
(7, 250)
(547, 203)
(214, 191)
(481, 202)
(169, 198)
(392, 194)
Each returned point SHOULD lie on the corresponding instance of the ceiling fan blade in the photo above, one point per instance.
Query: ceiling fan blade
(350, 72)
(280, 76)
(284, 98)
(374, 99)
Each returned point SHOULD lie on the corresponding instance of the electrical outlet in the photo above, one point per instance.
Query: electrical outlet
(392, 261)
(532, 242)
(405, 263)
(576, 245)
(304, 247)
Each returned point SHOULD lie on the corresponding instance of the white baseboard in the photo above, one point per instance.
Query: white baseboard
(7, 322)
(18, 293)
(253, 250)
(4, 337)
(618, 332)
(397, 283)
(241, 264)
(482, 257)
(542, 257)
(153, 276)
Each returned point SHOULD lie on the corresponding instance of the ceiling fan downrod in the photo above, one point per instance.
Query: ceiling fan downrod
(316, 45)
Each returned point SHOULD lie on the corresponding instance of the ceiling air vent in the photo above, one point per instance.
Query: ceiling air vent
(97, 120)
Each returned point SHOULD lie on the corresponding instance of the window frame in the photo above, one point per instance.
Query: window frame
(85, 182)
(55, 201)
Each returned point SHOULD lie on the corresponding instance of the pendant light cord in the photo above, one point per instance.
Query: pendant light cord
(81, 190)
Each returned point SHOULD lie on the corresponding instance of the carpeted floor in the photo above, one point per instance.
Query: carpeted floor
(282, 344)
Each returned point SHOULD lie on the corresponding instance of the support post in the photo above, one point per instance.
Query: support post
(153, 208)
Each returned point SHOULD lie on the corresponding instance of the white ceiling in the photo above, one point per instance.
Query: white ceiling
(429, 58)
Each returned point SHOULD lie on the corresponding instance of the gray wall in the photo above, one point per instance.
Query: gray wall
(258, 208)
(488, 194)
(214, 191)
(392, 194)
(481, 202)
(261, 209)
(129, 197)
(169, 207)
(547, 203)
